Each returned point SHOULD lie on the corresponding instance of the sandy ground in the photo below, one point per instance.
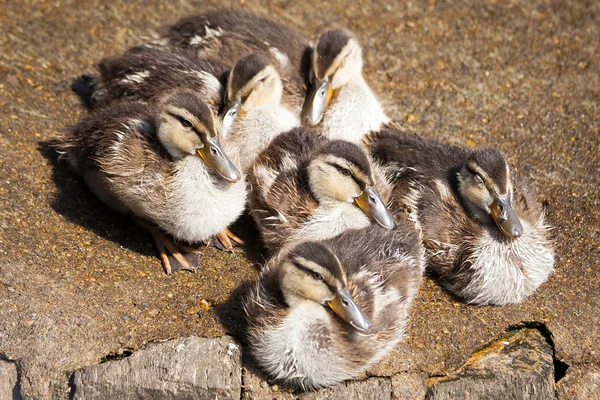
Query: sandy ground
(78, 282)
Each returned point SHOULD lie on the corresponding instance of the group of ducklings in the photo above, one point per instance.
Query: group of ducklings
(229, 111)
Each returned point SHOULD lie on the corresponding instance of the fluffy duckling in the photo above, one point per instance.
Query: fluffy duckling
(307, 187)
(253, 83)
(339, 99)
(144, 73)
(161, 162)
(230, 35)
(324, 312)
(483, 227)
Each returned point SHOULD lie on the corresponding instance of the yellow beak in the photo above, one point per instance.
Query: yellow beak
(214, 156)
(316, 102)
(505, 217)
(346, 308)
(370, 203)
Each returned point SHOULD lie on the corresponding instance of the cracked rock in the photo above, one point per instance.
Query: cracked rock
(408, 386)
(186, 368)
(519, 365)
(8, 380)
(368, 389)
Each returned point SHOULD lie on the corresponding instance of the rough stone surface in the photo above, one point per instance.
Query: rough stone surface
(188, 368)
(580, 382)
(368, 389)
(519, 365)
(408, 386)
(8, 380)
(78, 282)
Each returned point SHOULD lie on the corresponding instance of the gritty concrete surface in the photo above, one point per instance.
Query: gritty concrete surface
(581, 382)
(80, 283)
(188, 368)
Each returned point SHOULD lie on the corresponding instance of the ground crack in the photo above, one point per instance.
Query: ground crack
(560, 367)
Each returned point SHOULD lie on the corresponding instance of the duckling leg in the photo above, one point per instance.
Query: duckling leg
(222, 241)
(163, 243)
(160, 248)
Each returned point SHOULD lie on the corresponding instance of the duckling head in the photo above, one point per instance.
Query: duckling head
(312, 272)
(485, 187)
(252, 82)
(336, 60)
(186, 127)
(341, 172)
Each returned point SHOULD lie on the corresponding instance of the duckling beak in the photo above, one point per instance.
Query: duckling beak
(230, 116)
(371, 204)
(214, 156)
(316, 102)
(346, 308)
(505, 217)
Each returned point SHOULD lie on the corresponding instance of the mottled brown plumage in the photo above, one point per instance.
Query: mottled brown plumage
(298, 339)
(465, 244)
(288, 205)
(230, 35)
(145, 159)
(143, 73)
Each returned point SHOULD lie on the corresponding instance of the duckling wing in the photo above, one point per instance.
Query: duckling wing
(395, 148)
(116, 152)
(231, 35)
(142, 73)
(281, 200)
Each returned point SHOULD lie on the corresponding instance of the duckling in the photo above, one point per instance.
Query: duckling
(483, 227)
(253, 83)
(324, 312)
(161, 162)
(307, 187)
(144, 73)
(339, 100)
(230, 35)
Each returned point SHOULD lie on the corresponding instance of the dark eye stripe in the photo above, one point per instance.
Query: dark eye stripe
(310, 272)
(342, 171)
(182, 121)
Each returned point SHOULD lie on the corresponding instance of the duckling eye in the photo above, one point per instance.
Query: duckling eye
(185, 123)
(317, 276)
(346, 172)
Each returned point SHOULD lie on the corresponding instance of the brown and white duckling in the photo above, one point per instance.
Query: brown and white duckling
(483, 227)
(253, 94)
(144, 73)
(227, 36)
(339, 99)
(324, 312)
(307, 187)
(161, 162)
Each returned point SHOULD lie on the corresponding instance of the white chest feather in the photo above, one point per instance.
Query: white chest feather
(288, 351)
(199, 205)
(353, 112)
(327, 222)
(506, 273)
(253, 132)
